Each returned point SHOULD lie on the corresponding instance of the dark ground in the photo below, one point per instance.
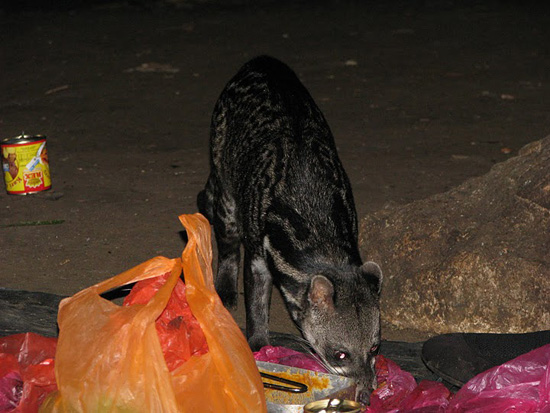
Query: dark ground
(420, 96)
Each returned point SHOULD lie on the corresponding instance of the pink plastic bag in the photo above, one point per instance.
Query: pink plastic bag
(520, 385)
(289, 357)
(398, 392)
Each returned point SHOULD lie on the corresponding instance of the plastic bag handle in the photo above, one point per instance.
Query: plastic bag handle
(149, 269)
(152, 268)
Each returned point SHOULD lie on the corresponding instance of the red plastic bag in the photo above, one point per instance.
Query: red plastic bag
(179, 332)
(26, 371)
(289, 357)
(398, 392)
(109, 357)
(520, 385)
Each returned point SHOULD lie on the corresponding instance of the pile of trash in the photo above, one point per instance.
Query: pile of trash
(172, 346)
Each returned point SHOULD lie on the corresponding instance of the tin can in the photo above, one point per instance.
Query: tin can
(25, 164)
(332, 405)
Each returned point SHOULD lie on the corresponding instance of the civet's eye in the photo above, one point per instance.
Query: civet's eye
(341, 355)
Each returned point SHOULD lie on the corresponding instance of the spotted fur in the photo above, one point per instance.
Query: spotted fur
(277, 187)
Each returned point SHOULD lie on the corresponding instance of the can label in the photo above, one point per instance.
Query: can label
(25, 164)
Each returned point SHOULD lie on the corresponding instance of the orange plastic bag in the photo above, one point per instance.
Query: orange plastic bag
(109, 358)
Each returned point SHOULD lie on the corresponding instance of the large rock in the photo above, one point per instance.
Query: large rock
(473, 259)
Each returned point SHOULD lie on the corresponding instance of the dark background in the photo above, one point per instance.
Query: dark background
(420, 95)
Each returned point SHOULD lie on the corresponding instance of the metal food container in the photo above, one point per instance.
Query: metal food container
(320, 386)
(333, 405)
(25, 164)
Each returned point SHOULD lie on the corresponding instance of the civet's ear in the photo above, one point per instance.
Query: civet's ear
(321, 293)
(372, 272)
